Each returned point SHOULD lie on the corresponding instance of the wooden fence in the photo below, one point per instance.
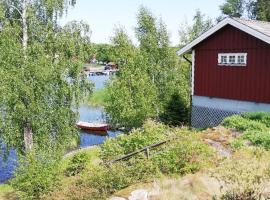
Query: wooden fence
(145, 149)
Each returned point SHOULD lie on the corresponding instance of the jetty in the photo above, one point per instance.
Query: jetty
(99, 71)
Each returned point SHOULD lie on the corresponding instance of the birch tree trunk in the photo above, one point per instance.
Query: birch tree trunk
(24, 24)
(28, 135)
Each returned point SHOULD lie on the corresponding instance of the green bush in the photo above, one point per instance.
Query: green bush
(151, 133)
(186, 154)
(108, 180)
(258, 138)
(36, 176)
(243, 124)
(77, 164)
(262, 117)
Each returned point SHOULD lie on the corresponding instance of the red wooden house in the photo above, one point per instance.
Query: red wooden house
(230, 70)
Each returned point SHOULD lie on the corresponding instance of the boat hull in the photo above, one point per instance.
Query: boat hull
(93, 127)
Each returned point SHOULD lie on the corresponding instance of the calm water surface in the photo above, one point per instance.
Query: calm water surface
(87, 113)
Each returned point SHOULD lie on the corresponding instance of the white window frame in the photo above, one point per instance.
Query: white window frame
(235, 63)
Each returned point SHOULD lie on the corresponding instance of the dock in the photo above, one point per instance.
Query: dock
(99, 71)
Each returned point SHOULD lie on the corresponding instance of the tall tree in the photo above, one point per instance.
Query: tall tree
(133, 98)
(201, 24)
(263, 10)
(41, 64)
(233, 8)
(150, 75)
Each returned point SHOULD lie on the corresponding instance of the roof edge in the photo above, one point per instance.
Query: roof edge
(220, 25)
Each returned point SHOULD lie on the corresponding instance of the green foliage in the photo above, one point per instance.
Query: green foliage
(175, 112)
(258, 138)
(150, 76)
(237, 143)
(98, 98)
(262, 117)
(253, 9)
(37, 175)
(135, 99)
(255, 126)
(243, 124)
(77, 164)
(108, 180)
(263, 10)
(244, 175)
(151, 133)
(42, 81)
(103, 52)
(233, 8)
(187, 154)
(201, 24)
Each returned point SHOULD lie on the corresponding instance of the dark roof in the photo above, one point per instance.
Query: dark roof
(261, 26)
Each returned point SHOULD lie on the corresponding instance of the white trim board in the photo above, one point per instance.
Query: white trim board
(230, 105)
(193, 72)
(220, 25)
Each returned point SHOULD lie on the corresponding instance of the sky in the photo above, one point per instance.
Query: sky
(104, 15)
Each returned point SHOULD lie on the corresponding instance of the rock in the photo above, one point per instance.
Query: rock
(139, 195)
(219, 148)
(117, 198)
(155, 191)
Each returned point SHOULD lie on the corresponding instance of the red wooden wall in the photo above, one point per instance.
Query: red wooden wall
(247, 83)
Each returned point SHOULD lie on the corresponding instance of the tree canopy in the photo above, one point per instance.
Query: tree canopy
(201, 23)
(40, 66)
(233, 8)
(149, 76)
(252, 9)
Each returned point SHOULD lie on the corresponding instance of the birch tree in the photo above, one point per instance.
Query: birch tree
(40, 63)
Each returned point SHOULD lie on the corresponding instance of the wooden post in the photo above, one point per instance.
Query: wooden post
(148, 153)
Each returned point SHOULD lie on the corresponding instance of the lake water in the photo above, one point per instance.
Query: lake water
(87, 113)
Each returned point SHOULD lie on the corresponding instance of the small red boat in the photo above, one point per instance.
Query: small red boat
(95, 127)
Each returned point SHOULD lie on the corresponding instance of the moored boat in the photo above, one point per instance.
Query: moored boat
(95, 127)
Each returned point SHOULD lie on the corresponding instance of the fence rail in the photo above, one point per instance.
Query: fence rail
(146, 149)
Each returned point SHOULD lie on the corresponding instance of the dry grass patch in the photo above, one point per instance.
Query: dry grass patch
(7, 193)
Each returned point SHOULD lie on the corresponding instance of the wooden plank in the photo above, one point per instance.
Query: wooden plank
(147, 149)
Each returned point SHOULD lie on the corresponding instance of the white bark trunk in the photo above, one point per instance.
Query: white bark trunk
(28, 138)
(27, 132)
(24, 24)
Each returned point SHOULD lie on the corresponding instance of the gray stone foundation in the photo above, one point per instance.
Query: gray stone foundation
(209, 112)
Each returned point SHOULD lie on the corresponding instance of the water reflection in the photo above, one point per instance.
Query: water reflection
(7, 163)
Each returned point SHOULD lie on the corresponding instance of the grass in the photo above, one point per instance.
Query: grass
(73, 187)
(7, 193)
(97, 98)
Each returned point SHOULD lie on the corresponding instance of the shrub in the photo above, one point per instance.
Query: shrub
(151, 133)
(77, 164)
(186, 154)
(262, 117)
(244, 175)
(243, 124)
(36, 176)
(108, 180)
(258, 138)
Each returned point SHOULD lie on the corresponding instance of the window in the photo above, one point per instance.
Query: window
(224, 59)
(232, 59)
